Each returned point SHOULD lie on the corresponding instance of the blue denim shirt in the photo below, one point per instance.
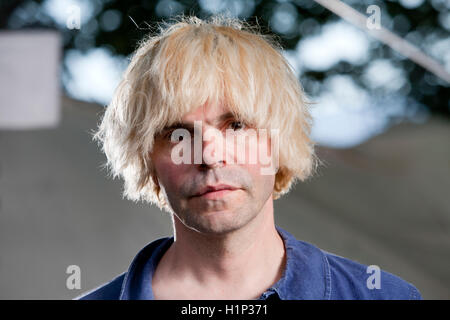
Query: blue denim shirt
(310, 273)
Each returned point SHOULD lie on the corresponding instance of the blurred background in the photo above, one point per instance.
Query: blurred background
(381, 122)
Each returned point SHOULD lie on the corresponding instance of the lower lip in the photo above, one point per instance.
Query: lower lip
(216, 194)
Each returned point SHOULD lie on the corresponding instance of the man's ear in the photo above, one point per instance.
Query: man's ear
(163, 202)
(155, 178)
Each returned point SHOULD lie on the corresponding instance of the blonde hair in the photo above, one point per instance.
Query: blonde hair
(192, 61)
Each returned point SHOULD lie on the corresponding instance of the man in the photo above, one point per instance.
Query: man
(197, 103)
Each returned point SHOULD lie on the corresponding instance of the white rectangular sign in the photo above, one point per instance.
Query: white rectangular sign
(29, 79)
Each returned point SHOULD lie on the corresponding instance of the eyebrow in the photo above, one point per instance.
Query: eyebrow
(190, 126)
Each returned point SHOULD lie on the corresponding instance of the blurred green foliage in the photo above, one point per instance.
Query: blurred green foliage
(119, 25)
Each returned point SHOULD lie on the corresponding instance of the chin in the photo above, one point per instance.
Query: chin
(218, 222)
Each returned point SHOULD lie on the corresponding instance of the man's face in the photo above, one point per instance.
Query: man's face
(222, 211)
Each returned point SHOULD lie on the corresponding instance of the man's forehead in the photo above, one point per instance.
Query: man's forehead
(209, 113)
(189, 124)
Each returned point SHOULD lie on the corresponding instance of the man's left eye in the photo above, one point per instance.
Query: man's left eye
(237, 125)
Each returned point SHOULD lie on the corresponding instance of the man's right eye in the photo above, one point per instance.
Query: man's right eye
(179, 138)
(168, 136)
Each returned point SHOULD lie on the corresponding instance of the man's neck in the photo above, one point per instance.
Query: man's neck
(250, 257)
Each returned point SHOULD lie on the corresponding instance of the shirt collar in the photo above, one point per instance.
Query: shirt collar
(137, 284)
(306, 275)
(307, 272)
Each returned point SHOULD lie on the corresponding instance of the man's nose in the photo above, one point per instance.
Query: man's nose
(213, 148)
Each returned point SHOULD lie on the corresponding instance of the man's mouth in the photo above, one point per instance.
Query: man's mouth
(216, 191)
